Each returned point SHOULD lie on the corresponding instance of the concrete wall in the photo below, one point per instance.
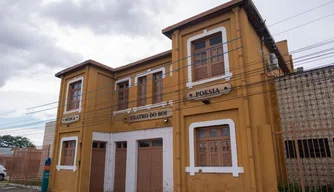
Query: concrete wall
(47, 147)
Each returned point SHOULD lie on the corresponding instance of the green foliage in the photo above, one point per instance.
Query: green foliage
(15, 142)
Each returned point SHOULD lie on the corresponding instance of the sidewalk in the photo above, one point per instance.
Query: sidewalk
(4, 187)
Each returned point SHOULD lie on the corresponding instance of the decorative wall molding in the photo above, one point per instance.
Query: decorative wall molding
(161, 69)
(123, 80)
(68, 167)
(75, 79)
(150, 106)
(234, 169)
(205, 33)
(122, 111)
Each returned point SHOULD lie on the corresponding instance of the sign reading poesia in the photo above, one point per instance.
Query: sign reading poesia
(70, 119)
(149, 115)
(208, 92)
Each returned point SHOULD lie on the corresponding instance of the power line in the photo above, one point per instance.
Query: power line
(235, 39)
(321, 43)
(101, 121)
(300, 14)
(112, 106)
(260, 61)
(270, 25)
(279, 33)
(176, 61)
(314, 53)
(168, 64)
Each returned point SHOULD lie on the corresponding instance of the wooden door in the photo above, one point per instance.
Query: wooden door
(120, 167)
(97, 167)
(149, 173)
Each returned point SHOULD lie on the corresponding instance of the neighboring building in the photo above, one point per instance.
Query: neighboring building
(49, 134)
(4, 151)
(306, 106)
(6, 157)
(48, 139)
(195, 118)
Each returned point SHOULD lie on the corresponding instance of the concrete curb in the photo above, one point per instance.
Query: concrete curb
(25, 186)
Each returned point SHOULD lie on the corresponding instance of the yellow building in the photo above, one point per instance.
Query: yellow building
(195, 118)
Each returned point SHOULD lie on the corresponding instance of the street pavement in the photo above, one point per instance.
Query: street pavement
(4, 187)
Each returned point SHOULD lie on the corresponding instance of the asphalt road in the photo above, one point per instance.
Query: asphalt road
(5, 187)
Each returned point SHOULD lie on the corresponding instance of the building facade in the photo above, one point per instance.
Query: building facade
(47, 146)
(306, 106)
(195, 118)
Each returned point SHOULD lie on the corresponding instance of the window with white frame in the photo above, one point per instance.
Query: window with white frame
(74, 95)
(208, 57)
(68, 153)
(157, 87)
(212, 147)
(123, 95)
(142, 86)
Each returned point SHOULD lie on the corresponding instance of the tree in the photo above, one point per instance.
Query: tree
(15, 142)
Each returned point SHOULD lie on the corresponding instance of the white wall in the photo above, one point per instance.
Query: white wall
(132, 150)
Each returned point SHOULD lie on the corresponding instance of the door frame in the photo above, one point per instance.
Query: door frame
(132, 138)
(103, 137)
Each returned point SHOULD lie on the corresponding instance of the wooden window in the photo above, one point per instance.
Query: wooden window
(308, 148)
(157, 87)
(74, 95)
(142, 91)
(123, 95)
(208, 57)
(99, 145)
(213, 146)
(150, 143)
(121, 145)
(68, 152)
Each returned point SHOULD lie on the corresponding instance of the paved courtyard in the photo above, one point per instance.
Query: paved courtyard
(5, 187)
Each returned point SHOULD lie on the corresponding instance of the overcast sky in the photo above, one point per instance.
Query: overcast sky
(39, 38)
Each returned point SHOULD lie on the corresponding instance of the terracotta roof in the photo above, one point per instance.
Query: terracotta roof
(100, 65)
(200, 17)
(82, 65)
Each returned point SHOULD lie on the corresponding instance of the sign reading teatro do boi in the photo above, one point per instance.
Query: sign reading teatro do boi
(209, 92)
(149, 115)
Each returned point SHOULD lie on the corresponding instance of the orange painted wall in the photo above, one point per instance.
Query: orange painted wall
(251, 104)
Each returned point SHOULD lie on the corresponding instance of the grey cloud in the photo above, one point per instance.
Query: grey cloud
(131, 17)
(22, 45)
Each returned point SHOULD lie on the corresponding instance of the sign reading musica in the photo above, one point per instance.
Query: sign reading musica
(208, 92)
(70, 119)
(149, 115)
